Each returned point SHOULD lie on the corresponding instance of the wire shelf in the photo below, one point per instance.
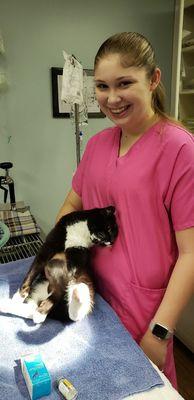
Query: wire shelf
(18, 248)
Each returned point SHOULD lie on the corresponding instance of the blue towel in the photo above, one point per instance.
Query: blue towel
(97, 354)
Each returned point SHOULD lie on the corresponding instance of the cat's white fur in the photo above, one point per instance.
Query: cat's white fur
(10, 306)
(79, 303)
(78, 295)
(41, 293)
(78, 234)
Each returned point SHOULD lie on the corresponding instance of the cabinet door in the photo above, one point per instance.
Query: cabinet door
(176, 60)
(186, 94)
(182, 89)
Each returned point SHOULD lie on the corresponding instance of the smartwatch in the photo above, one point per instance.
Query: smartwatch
(160, 331)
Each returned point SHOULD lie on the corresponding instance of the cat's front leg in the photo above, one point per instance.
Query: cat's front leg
(80, 302)
(23, 292)
(45, 253)
(42, 311)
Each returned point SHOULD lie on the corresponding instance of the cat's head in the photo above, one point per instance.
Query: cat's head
(103, 226)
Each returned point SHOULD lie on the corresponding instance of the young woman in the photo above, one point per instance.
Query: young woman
(144, 166)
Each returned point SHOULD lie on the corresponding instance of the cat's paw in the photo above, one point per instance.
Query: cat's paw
(24, 290)
(79, 302)
(18, 298)
(38, 317)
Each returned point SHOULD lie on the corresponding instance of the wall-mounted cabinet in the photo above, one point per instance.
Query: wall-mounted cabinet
(182, 90)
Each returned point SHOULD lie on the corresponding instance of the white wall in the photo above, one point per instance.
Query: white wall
(35, 33)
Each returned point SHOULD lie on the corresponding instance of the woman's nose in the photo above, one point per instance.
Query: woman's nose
(113, 97)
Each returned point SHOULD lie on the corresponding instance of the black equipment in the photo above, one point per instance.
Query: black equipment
(6, 180)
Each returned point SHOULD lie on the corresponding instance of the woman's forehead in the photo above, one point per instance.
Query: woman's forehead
(112, 65)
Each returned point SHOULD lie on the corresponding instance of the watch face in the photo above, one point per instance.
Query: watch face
(159, 331)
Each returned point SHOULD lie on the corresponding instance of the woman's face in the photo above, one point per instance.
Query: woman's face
(124, 94)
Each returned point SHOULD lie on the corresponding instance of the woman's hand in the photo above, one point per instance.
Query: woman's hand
(154, 348)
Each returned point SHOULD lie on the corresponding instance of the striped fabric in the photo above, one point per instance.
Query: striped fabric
(19, 222)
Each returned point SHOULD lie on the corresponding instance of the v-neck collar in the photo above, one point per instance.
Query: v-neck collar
(143, 138)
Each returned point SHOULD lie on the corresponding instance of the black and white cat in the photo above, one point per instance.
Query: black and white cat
(59, 281)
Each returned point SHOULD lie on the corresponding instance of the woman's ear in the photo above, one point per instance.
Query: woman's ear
(155, 79)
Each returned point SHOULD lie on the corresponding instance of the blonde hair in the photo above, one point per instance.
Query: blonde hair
(135, 50)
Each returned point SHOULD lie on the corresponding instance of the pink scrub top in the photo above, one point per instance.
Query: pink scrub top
(152, 189)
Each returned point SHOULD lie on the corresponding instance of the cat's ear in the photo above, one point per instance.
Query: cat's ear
(110, 210)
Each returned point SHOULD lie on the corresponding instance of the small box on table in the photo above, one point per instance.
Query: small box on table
(36, 376)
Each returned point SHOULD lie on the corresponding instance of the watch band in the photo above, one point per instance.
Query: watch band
(162, 332)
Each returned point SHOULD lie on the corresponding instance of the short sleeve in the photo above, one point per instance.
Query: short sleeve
(78, 176)
(180, 196)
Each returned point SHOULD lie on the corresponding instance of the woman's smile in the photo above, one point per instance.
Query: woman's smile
(119, 112)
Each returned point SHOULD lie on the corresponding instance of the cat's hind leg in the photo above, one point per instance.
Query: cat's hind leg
(79, 299)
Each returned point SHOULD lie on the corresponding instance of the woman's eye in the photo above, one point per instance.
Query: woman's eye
(125, 83)
(101, 86)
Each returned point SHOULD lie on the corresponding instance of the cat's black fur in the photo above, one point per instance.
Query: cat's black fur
(59, 262)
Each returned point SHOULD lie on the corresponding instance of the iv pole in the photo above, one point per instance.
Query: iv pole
(77, 132)
(72, 60)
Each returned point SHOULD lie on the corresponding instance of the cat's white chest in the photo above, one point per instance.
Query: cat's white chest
(77, 235)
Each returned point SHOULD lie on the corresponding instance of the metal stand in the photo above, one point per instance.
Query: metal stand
(77, 133)
(8, 181)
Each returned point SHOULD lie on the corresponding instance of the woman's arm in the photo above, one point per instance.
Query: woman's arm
(72, 203)
(181, 284)
(177, 295)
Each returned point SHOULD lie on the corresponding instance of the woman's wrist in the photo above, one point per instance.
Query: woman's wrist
(154, 348)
